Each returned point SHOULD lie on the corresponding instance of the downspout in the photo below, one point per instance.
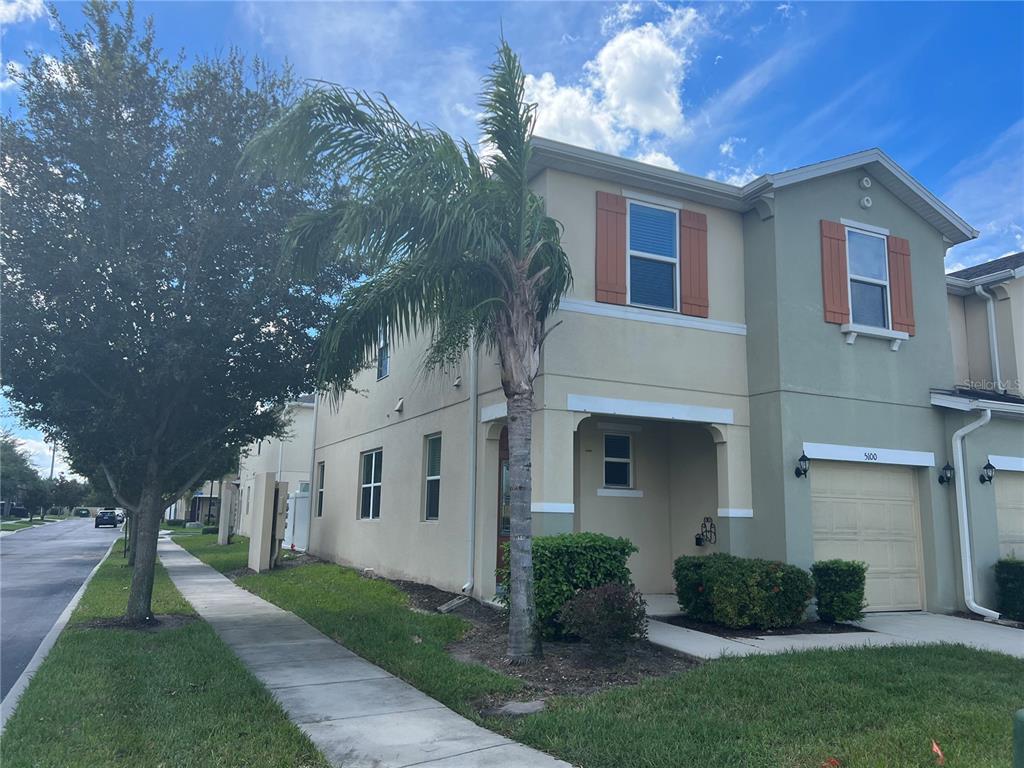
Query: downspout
(966, 559)
(474, 430)
(312, 468)
(993, 342)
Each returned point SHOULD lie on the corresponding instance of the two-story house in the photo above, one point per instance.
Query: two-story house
(740, 369)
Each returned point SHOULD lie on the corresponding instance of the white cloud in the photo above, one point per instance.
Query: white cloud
(39, 452)
(784, 9)
(619, 16)
(16, 11)
(654, 157)
(728, 147)
(734, 175)
(573, 114)
(7, 80)
(988, 191)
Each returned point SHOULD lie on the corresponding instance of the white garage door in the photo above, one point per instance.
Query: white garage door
(869, 512)
(1009, 487)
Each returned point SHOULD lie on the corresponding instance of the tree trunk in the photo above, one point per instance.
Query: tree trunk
(146, 529)
(133, 537)
(522, 640)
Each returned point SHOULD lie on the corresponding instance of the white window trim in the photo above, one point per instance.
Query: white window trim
(383, 353)
(321, 470)
(871, 280)
(375, 487)
(622, 493)
(629, 462)
(653, 257)
(427, 478)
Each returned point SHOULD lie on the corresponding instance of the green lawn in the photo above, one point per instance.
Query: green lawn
(868, 708)
(17, 523)
(177, 697)
(204, 546)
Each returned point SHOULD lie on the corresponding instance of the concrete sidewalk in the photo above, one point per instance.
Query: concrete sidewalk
(355, 712)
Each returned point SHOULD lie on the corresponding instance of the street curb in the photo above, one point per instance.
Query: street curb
(28, 528)
(10, 701)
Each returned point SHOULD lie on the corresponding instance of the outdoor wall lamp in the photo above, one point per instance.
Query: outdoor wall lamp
(987, 473)
(946, 475)
(802, 465)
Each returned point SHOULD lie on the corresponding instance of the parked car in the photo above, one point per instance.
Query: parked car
(106, 517)
(82, 512)
(120, 515)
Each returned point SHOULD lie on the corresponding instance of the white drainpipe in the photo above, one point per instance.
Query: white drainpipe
(474, 430)
(966, 559)
(993, 342)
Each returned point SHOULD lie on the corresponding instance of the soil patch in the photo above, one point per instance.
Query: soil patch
(1001, 622)
(159, 623)
(289, 559)
(566, 668)
(807, 628)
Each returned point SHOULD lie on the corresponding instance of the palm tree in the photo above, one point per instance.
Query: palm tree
(454, 245)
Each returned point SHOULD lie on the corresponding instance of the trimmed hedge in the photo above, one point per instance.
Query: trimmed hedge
(565, 564)
(839, 587)
(209, 529)
(174, 523)
(607, 616)
(741, 592)
(1010, 588)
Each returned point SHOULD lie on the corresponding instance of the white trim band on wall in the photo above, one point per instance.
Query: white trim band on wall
(553, 507)
(866, 455)
(1007, 463)
(654, 316)
(493, 412)
(649, 409)
(622, 493)
(735, 512)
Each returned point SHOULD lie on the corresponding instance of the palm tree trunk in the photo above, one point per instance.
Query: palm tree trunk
(522, 641)
(147, 528)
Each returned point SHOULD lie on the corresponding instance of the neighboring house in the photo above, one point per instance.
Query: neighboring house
(714, 335)
(205, 504)
(268, 462)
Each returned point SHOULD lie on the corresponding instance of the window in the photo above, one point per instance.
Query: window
(320, 489)
(653, 256)
(383, 355)
(618, 461)
(869, 278)
(369, 499)
(432, 487)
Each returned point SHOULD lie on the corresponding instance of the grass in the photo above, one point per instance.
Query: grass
(176, 697)
(17, 523)
(866, 708)
(224, 559)
(372, 618)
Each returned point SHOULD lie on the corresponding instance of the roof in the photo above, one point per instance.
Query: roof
(965, 399)
(567, 157)
(1012, 262)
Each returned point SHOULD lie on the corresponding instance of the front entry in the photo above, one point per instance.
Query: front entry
(504, 498)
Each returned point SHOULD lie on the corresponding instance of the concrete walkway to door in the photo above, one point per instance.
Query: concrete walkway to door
(355, 712)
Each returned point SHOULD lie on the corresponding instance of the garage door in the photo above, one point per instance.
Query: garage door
(868, 512)
(1009, 488)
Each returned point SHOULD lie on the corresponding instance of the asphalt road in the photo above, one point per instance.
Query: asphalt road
(40, 570)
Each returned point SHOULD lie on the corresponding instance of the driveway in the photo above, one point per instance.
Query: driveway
(41, 568)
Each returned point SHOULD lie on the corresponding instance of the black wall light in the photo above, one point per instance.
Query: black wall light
(987, 473)
(802, 465)
(946, 475)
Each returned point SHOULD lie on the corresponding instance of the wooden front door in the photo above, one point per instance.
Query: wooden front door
(504, 497)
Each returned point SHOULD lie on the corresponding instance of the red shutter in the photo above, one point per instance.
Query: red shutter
(834, 281)
(900, 285)
(610, 263)
(693, 263)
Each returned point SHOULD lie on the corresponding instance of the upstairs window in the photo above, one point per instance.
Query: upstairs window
(432, 478)
(369, 497)
(383, 355)
(653, 261)
(869, 278)
(618, 461)
(320, 471)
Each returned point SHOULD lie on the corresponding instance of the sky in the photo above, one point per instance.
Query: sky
(723, 90)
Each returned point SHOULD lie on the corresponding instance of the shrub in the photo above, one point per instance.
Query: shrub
(174, 523)
(839, 587)
(209, 529)
(567, 563)
(741, 592)
(606, 616)
(1010, 588)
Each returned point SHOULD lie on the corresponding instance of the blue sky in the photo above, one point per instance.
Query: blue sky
(727, 90)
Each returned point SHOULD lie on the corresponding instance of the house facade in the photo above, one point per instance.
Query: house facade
(714, 337)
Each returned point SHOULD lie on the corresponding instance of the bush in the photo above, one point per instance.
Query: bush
(174, 523)
(210, 529)
(740, 592)
(606, 616)
(1010, 588)
(565, 564)
(839, 587)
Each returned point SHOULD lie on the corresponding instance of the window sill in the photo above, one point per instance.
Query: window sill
(622, 493)
(853, 330)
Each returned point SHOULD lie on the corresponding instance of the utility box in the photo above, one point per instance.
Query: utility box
(270, 505)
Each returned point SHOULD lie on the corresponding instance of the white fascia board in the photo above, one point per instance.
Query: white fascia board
(958, 403)
(493, 412)
(1007, 463)
(553, 507)
(963, 287)
(652, 316)
(868, 455)
(648, 409)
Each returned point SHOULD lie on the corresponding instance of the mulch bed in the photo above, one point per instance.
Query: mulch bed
(566, 668)
(807, 628)
(159, 623)
(1002, 622)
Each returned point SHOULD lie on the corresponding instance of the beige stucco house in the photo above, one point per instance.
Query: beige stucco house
(714, 337)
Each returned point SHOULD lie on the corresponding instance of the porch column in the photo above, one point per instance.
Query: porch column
(553, 452)
(735, 504)
(261, 521)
